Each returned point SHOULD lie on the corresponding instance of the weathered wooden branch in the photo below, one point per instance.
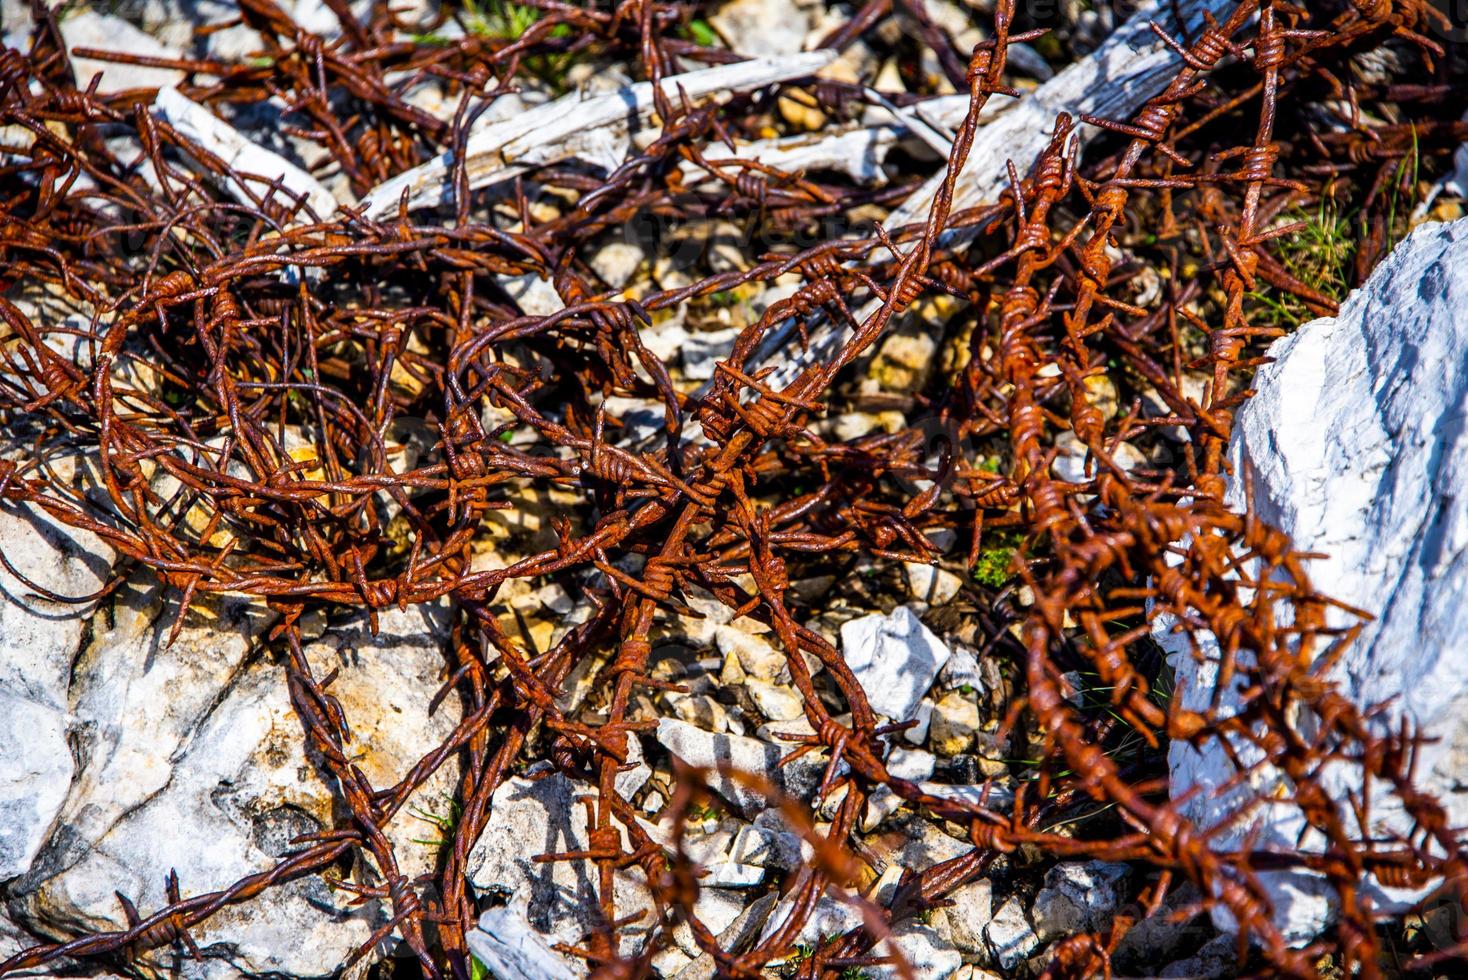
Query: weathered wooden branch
(258, 168)
(595, 129)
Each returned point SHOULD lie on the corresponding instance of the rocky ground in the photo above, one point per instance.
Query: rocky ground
(823, 738)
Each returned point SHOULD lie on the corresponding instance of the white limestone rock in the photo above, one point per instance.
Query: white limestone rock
(762, 27)
(617, 262)
(955, 722)
(702, 350)
(59, 320)
(971, 910)
(930, 584)
(923, 715)
(631, 779)
(916, 842)
(962, 670)
(717, 909)
(701, 748)
(1357, 447)
(535, 296)
(735, 937)
(737, 855)
(38, 639)
(831, 915)
(198, 742)
(13, 938)
(34, 775)
(1078, 896)
(137, 700)
(775, 701)
(911, 764)
(895, 658)
(534, 816)
(990, 795)
(924, 951)
(1010, 936)
(757, 657)
(15, 19)
(1075, 465)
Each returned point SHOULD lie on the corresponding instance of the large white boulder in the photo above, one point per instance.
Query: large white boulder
(1357, 442)
(190, 757)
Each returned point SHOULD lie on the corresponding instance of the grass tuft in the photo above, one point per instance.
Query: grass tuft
(1319, 254)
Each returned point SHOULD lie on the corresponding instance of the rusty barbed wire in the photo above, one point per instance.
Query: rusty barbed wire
(312, 413)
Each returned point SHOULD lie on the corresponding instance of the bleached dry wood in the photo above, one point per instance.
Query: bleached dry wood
(858, 153)
(258, 167)
(511, 950)
(108, 32)
(1113, 82)
(1132, 66)
(572, 127)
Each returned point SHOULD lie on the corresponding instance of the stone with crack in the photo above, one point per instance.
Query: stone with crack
(198, 742)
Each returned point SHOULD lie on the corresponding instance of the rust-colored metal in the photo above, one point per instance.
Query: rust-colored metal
(215, 326)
